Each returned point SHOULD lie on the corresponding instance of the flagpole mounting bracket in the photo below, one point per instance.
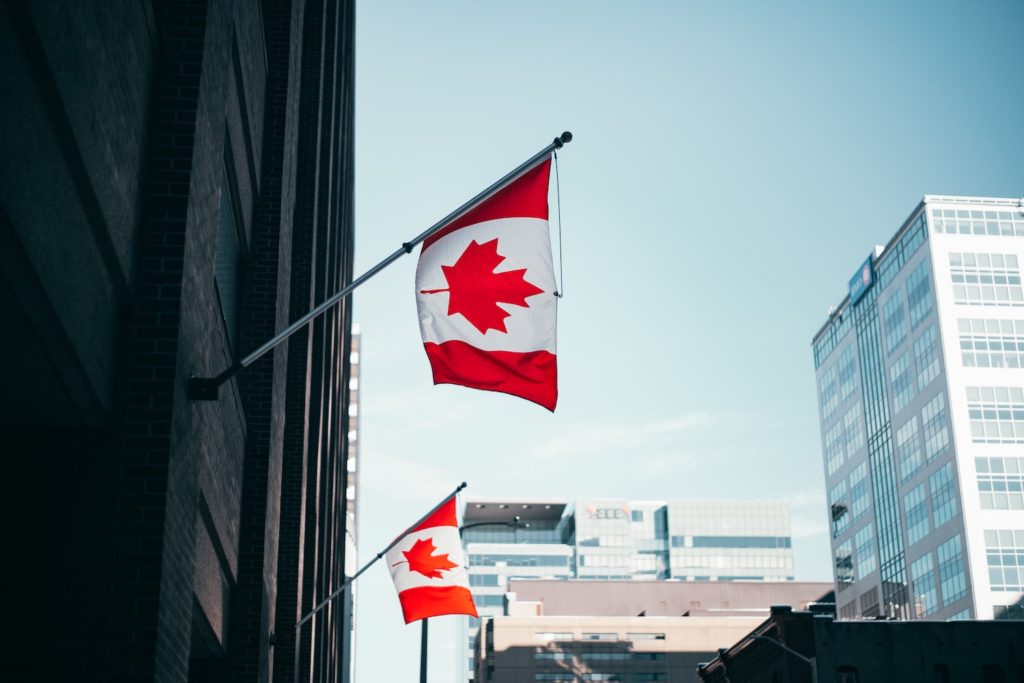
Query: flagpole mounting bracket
(203, 388)
(408, 247)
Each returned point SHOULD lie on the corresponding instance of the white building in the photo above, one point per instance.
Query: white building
(617, 540)
(920, 375)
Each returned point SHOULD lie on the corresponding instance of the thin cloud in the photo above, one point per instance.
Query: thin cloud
(591, 439)
(419, 481)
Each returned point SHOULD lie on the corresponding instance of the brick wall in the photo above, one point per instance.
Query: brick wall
(167, 538)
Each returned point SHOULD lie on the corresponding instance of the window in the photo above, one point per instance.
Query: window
(548, 636)
(964, 222)
(561, 561)
(919, 294)
(839, 507)
(645, 636)
(986, 279)
(483, 579)
(553, 656)
(741, 542)
(228, 261)
(897, 255)
(600, 636)
(895, 317)
(566, 677)
(864, 551)
(835, 448)
(996, 414)
(829, 392)
(951, 571)
(916, 505)
(860, 493)
(908, 449)
(943, 486)
(936, 426)
(489, 600)
(637, 515)
(926, 353)
(1004, 550)
(1000, 483)
(901, 379)
(1008, 612)
(853, 430)
(847, 373)
(987, 343)
(922, 572)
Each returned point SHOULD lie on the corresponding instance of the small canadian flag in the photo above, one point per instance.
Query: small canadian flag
(485, 290)
(428, 568)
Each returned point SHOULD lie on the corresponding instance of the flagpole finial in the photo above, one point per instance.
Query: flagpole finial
(461, 486)
(563, 139)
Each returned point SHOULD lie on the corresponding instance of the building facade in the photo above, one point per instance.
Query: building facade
(175, 186)
(920, 373)
(611, 649)
(823, 650)
(619, 540)
(579, 597)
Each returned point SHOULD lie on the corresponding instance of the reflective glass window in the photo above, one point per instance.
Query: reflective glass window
(952, 573)
(944, 499)
(925, 585)
(919, 294)
(935, 424)
(916, 506)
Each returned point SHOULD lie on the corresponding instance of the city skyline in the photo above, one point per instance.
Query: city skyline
(728, 162)
(611, 539)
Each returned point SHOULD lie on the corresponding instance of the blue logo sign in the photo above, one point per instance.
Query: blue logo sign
(862, 281)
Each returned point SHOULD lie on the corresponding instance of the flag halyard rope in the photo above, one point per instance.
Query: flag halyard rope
(560, 292)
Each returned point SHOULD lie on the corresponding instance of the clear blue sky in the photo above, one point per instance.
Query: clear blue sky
(734, 163)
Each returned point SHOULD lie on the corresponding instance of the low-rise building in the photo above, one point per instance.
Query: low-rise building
(625, 631)
(622, 649)
(799, 647)
(668, 598)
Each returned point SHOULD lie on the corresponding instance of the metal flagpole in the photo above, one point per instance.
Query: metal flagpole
(423, 652)
(341, 589)
(206, 388)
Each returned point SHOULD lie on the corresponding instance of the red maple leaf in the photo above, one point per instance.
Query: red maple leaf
(475, 290)
(421, 559)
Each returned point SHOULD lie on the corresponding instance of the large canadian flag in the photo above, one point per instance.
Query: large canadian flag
(429, 570)
(485, 290)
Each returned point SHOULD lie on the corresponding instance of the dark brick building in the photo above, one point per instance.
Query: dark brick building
(175, 185)
(870, 651)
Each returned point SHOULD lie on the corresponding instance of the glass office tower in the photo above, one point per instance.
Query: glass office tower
(617, 539)
(920, 373)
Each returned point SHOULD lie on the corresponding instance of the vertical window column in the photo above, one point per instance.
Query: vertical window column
(882, 465)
